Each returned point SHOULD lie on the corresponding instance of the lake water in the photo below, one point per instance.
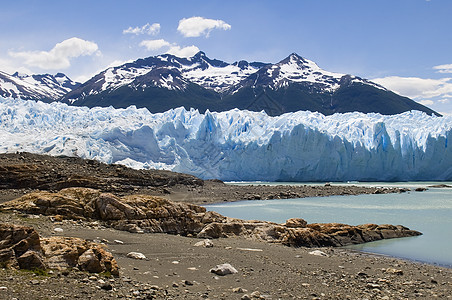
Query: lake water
(429, 212)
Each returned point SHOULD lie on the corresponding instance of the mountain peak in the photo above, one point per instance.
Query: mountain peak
(20, 75)
(199, 55)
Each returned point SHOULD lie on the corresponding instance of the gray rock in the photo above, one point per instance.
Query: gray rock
(136, 255)
(223, 269)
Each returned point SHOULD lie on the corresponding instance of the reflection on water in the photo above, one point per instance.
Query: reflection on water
(429, 212)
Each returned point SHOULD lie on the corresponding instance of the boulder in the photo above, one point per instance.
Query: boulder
(223, 269)
(68, 252)
(136, 255)
(206, 243)
(20, 247)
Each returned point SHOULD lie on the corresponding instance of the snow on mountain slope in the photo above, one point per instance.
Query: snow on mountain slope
(296, 69)
(237, 145)
(35, 87)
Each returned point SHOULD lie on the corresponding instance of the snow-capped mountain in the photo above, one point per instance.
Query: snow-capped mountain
(165, 81)
(237, 144)
(296, 69)
(35, 87)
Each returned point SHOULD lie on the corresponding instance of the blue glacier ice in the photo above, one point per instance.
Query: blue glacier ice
(237, 145)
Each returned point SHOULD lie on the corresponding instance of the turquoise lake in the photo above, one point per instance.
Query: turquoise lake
(429, 212)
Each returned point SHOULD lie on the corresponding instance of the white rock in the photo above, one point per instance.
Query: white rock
(118, 242)
(318, 253)
(136, 255)
(58, 229)
(204, 243)
(223, 269)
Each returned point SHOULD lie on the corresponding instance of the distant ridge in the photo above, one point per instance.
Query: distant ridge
(44, 87)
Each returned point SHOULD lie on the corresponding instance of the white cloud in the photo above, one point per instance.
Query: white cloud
(60, 55)
(173, 48)
(10, 67)
(183, 52)
(154, 44)
(86, 76)
(197, 26)
(443, 68)
(145, 29)
(417, 88)
(426, 102)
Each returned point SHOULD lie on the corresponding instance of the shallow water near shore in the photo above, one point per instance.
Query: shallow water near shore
(429, 212)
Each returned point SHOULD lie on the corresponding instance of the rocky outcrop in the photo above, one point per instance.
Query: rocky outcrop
(69, 252)
(34, 171)
(22, 248)
(143, 213)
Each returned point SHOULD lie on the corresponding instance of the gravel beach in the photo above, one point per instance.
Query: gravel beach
(174, 268)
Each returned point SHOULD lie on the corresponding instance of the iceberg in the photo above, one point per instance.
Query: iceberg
(237, 145)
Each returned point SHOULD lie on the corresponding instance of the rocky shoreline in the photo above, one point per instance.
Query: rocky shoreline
(70, 199)
(23, 173)
(177, 267)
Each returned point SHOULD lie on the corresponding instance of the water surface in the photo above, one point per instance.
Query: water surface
(429, 212)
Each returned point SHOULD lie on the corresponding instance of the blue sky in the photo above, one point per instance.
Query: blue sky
(406, 45)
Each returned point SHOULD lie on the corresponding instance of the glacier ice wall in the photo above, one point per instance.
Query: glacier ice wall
(237, 145)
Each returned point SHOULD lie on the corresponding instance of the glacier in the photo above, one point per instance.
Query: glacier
(237, 145)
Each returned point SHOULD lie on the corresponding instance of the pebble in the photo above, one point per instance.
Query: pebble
(106, 286)
(58, 229)
(118, 242)
(256, 294)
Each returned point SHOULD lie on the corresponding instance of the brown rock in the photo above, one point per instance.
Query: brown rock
(88, 261)
(67, 252)
(31, 260)
(296, 223)
(20, 247)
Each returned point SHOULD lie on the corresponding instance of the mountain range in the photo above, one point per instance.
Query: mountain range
(165, 81)
(45, 87)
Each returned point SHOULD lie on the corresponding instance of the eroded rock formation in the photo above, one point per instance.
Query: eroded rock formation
(143, 213)
(21, 247)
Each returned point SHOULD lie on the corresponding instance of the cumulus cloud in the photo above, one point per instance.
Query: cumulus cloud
(417, 88)
(145, 29)
(59, 56)
(443, 68)
(197, 26)
(184, 51)
(173, 48)
(155, 44)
